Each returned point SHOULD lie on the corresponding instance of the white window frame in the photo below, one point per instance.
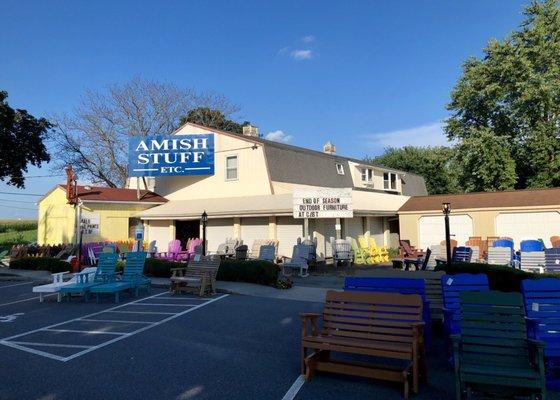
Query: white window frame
(387, 182)
(339, 169)
(229, 156)
(364, 171)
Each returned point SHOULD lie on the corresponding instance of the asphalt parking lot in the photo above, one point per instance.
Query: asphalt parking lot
(161, 346)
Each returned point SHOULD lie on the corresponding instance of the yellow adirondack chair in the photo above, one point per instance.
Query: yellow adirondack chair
(381, 253)
(364, 245)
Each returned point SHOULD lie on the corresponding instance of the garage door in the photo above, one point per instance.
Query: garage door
(253, 228)
(521, 226)
(432, 229)
(288, 230)
(217, 231)
(353, 227)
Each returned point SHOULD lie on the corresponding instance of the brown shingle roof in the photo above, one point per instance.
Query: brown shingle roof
(100, 193)
(512, 198)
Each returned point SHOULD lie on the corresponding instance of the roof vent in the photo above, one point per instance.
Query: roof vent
(329, 148)
(250, 130)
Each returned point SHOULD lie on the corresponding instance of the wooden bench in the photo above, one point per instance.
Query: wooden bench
(387, 326)
(395, 285)
(198, 277)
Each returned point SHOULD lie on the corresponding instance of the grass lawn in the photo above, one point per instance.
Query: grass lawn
(17, 232)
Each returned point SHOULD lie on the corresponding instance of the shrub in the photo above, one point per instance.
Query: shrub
(41, 264)
(251, 271)
(500, 277)
(160, 268)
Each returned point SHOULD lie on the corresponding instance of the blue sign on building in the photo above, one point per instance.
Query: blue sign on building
(166, 155)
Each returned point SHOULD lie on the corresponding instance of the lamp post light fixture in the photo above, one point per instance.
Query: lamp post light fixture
(204, 219)
(446, 208)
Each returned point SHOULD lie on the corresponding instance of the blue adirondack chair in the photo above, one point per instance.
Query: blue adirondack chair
(132, 278)
(451, 287)
(552, 260)
(461, 254)
(542, 307)
(396, 285)
(106, 265)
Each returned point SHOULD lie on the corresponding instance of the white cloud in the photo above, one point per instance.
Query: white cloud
(424, 135)
(284, 50)
(308, 39)
(278, 136)
(301, 54)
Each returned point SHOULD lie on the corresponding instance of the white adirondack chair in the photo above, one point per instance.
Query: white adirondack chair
(298, 260)
(59, 282)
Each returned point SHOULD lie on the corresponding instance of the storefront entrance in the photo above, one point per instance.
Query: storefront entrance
(185, 230)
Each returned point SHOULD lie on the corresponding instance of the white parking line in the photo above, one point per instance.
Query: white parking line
(21, 345)
(72, 346)
(31, 298)
(164, 304)
(16, 284)
(143, 312)
(88, 332)
(113, 320)
(294, 389)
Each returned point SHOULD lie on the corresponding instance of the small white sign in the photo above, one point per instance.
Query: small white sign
(449, 281)
(90, 224)
(322, 203)
(535, 306)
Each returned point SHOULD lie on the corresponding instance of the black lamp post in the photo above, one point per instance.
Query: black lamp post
(446, 208)
(204, 219)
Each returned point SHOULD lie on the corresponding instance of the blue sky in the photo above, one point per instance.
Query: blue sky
(363, 74)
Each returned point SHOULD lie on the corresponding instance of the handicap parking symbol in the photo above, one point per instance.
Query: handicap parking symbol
(10, 318)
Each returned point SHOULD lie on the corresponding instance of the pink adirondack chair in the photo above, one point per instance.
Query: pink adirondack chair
(192, 244)
(173, 251)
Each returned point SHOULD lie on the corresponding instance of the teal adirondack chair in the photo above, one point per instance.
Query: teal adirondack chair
(132, 278)
(493, 356)
(106, 266)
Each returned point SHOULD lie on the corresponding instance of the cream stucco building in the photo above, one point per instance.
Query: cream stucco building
(249, 196)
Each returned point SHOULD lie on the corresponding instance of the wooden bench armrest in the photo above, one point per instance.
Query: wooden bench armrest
(309, 317)
(536, 349)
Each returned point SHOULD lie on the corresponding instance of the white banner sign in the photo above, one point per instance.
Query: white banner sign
(323, 203)
(90, 224)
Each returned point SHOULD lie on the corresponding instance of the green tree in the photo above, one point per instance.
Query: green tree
(212, 119)
(484, 164)
(21, 138)
(435, 164)
(508, 101)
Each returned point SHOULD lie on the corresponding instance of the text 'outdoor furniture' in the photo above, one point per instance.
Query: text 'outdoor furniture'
(387, 326)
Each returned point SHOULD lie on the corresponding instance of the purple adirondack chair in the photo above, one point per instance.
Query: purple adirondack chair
(173, 251)
(192, 245)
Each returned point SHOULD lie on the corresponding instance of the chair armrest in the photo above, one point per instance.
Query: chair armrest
(286, 259)
(418, 330)
(536, 347)
(456, 342)
(58, 277)
(309, 317)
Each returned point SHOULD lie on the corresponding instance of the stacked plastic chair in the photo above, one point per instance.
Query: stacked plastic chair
(532, 256)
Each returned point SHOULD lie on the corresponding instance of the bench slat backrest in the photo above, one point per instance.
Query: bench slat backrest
(452, 286)
(552, 260)
(106, 265)
(493, 330)
(542, 303)
(462, 254)
(381, 317)
(203, 267)
(134, 265)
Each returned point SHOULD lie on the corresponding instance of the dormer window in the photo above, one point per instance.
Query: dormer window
(367, 174)
(390, 181)
(340, 169)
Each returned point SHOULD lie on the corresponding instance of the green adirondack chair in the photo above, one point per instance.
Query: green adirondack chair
(493, 356)
(132, 278)
(106, 265)
(360, 255)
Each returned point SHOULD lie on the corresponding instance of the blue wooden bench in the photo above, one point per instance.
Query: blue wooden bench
(542, 307)
(451, 287)
(396, 285)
